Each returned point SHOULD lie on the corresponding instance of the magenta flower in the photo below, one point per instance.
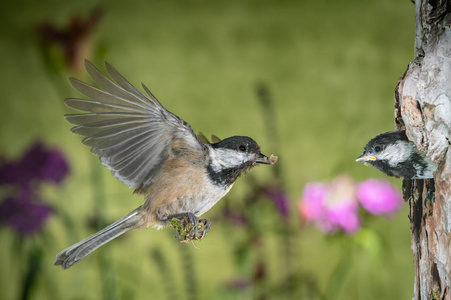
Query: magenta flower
(313, 200)
(335, 206)
(332, 206)
(378, 197)
(344, 216)
(342, 205)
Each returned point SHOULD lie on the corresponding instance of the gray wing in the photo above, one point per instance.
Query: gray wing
(130, 132)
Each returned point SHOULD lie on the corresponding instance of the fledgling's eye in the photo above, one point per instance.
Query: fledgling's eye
(377, 148)
(242, 148)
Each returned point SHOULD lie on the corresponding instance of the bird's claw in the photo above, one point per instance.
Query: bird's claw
(189, 228)
(199, 231)
(190, 219)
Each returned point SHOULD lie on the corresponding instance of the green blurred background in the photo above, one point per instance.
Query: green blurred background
(331, 68)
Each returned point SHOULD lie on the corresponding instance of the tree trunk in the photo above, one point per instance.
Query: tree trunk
(423, 108)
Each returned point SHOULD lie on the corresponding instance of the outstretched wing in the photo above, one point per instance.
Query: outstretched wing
(130, 132)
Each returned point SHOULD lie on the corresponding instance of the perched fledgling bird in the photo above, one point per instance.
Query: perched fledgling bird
(393, 154)
(158, 155)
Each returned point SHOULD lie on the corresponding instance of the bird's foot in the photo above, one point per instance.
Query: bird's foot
(184, 219)
(188, 227)
(199, 231)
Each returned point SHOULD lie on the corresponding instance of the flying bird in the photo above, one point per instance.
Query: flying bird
(393, 154)
(158, 155)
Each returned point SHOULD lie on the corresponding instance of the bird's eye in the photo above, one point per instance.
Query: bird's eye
(242, 148)
(377, 148)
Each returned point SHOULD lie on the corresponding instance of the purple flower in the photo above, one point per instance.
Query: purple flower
(37, 163)
(23, 214)
(236, 218)
(73, 40)
(21, 208)
(280, 200)
(55, 168)
(378, 197)
(239, 284)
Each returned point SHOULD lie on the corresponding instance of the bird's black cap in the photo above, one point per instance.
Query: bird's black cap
(245, 144)
(239, 143)
(386, 139)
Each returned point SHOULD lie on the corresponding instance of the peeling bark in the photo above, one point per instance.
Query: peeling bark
(423, 108)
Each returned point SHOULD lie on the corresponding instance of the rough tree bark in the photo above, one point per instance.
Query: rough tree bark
(423, 108)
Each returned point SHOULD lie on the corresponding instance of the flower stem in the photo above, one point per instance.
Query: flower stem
(34, 266)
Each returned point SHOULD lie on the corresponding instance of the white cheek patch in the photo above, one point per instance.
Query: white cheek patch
(396, 153)
(226, 158)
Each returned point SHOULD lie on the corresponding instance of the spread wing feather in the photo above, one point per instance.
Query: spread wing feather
(130, 132)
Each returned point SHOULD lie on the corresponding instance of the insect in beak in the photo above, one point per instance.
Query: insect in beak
(263, 159)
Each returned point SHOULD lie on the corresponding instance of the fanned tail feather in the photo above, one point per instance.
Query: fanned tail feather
(71, 255)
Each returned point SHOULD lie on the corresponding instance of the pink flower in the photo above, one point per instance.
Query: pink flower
(345, 216)
(378, 197)
(331, 206)
(343, 208)
(312, 205)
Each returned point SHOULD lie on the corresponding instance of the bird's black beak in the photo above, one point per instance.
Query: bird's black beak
(263, 159)
(365, 158)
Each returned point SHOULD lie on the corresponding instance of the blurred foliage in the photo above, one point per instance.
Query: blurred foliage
(329, 67)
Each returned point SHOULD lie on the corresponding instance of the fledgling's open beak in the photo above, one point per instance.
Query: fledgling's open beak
(263, 159)
(365, 158)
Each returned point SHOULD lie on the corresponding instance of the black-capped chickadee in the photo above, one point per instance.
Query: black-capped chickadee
(158, 155)
(393, 154)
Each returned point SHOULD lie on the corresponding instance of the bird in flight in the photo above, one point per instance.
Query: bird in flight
(158, 155)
